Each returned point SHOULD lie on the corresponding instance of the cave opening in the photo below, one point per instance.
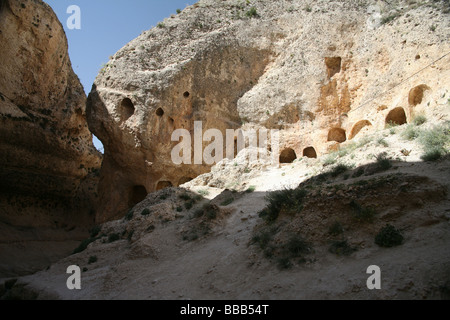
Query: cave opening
(416, 94)
(288, 156)
(333, 66)
(127, 108)
(358, 127)
(310, 152)
(396, 116)
(337, 134)
(137, 194)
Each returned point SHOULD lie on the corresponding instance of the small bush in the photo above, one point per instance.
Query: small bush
(362, 214)
(83, 245)
(95, 231)
(264, 237)
(92, 259)
(358, 173)
(145, 212)
(227, 201)
(113, 237)
(330, 160)
(185, 197)
(435, 142)
(383, 142)
(341, 248)
(179, 209)
(284, 263)
(383, 163)
(411, 132)
(161, 25)
(129, 215)
(188, 205)
(336, 229)
(297, 247)
(389, 237)
(252, 13)
(178, 11)
(419, 120)
(203, 193)
(283, 201)
(338, 170)
(250, 189)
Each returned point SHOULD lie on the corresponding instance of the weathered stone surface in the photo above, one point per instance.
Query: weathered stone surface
(313, 70)
(48, 164)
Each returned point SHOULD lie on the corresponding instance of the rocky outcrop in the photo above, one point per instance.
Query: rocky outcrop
(321, 72)
(48, 164)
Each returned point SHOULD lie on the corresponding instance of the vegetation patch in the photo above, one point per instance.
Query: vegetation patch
(435, 142)
(341, 248)
(362, 214)
(288, 201)
(388, 237)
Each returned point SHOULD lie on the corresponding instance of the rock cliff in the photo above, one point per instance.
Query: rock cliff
(321, 71)
(48, 164)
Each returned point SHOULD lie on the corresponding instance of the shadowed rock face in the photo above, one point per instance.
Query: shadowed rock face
(48, 164)
(136, 130)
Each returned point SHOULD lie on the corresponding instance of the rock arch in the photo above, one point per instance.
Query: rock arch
(288, 155)
(416, 94)
(310, 152)
(337, 134)
(163, 185)
(396, 116)
(358, 127)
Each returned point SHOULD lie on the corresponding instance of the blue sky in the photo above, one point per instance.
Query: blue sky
(106, 26)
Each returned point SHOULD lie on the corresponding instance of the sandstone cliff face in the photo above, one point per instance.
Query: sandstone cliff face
(322, 72)
(48, 164)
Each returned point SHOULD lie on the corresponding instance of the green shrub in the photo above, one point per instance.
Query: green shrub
(178, 11)
(83, 245)
(362, 214)
(179, 209)
(188, 205)
(338, 170)
(435, 142)
(419, 120)
(383, 142)
(389, 236)
(250, 189)
(383, 163)
(95, 231)
(284, 263)
(92, 259)
(252, 13)
(185, 197)
(145, 212)
(286, 201)
(336, 229)
(113, 237)
(227, 201)
(411, 132)
(129, 215)
(204, 193)
(341, 247)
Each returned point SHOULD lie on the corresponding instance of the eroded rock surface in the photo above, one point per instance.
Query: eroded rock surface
(321, 72)
(48, 164)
